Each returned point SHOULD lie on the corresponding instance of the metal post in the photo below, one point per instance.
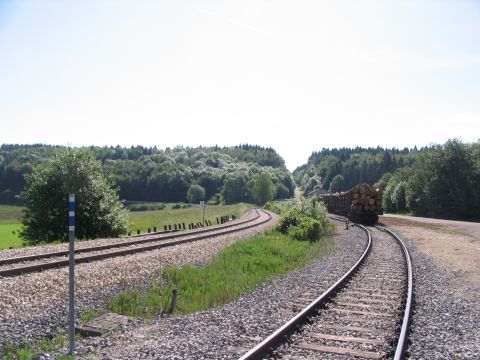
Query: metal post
(71, 262)
(202, 204)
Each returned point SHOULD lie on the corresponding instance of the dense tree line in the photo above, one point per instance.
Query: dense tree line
(436, 181)
(341, 169)
(443, 182)
(151, 174)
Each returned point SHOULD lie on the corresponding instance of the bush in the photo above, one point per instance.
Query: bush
(98, 210)
(308, 229)
(292, 217)
(306, 220)
(177, 206)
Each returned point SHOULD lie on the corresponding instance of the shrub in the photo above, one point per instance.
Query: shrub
(291, 217)
(308, 229)
(304, 221)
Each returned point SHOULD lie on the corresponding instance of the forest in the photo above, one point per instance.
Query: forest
(435, 181)
(151, 174)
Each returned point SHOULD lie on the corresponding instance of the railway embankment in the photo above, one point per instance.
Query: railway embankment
(35, 305)
(228, 332)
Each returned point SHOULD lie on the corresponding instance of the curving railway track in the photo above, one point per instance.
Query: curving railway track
(365, 314)
(17, 266)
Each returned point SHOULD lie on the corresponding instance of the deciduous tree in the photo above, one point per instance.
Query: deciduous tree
(98, 211)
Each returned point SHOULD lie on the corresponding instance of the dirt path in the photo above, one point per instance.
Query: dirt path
(454, 244)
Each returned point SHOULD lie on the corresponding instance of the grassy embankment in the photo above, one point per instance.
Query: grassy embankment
(10, 219)
(236, 270)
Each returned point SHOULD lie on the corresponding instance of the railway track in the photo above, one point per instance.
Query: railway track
(39, 262)
(365, 314)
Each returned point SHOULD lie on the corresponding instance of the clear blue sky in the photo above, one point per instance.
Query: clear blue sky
(293, 75)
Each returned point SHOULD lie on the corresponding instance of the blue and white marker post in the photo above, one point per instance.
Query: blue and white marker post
(71, 263)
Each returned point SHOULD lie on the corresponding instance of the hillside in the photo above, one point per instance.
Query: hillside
(151, 174)
(350, 166)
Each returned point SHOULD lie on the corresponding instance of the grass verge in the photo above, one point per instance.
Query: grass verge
(236, 270)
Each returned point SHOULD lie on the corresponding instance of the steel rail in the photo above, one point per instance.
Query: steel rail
(407, 317)
(62, 263)
(152, 238)
(279, 336)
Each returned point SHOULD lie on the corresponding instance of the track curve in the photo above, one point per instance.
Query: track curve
(35, 263)
(369, 300)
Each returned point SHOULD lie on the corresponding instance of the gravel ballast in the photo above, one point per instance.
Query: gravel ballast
(445, 322)
(35, 305)
(229, 331)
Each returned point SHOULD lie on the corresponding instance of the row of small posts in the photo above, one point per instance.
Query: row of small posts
(191, 226)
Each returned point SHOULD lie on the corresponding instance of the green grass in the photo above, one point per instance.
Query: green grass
(148, 219)
(28, 351)
(10, 214)
(90, 314)
(9, 237)
(9, 225)
(236, 270)
(142, 220)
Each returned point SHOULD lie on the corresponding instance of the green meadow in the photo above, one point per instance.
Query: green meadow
(142, 220)
(9, 225)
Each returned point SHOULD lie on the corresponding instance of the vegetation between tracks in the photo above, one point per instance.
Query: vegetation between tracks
(236, 270)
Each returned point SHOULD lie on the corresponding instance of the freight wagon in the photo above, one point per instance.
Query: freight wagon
(362, 203)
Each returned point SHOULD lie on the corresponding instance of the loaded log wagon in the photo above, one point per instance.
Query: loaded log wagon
(362, 203)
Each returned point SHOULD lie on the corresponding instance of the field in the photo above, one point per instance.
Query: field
(148, 219)
(10, 222)
(10, 219)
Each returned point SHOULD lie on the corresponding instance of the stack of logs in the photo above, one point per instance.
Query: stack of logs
(366, 198)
